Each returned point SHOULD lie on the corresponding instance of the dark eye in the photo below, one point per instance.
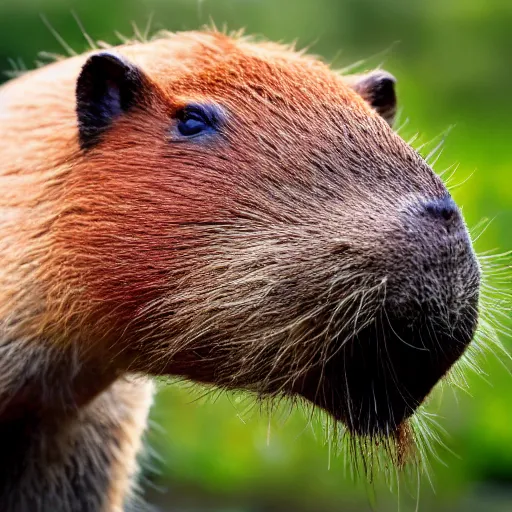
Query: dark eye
(194, 120)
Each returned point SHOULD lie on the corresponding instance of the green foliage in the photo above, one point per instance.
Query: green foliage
(452, 61)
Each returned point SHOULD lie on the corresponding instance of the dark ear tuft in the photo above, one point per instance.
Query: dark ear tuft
(107, 87)
(378, 89)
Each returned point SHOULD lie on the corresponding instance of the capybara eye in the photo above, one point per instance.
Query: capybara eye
(194, 120)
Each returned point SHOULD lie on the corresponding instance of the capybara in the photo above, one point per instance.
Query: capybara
(227, 211)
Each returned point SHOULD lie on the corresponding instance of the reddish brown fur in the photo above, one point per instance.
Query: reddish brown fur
(82, 223)
(131, 256)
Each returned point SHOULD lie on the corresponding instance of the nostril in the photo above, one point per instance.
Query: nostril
(444, 208)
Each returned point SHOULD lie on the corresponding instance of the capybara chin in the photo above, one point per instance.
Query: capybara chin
(231, 212)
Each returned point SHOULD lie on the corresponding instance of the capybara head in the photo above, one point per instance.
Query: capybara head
(241, 215)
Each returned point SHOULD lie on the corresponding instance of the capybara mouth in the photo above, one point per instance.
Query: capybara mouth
(378, 379)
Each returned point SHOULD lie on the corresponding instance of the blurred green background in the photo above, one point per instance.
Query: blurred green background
(453, 62)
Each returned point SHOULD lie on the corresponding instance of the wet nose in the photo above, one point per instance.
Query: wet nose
(443, 209)
(437, 262)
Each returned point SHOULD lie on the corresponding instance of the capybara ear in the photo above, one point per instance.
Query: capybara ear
(378, 89)
(107, 87)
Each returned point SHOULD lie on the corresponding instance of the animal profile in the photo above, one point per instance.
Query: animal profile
(227, 211)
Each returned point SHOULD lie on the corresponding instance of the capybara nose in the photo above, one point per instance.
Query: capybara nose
(444, 210)
(434, 241)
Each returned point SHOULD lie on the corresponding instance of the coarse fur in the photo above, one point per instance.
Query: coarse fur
(303, 250)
